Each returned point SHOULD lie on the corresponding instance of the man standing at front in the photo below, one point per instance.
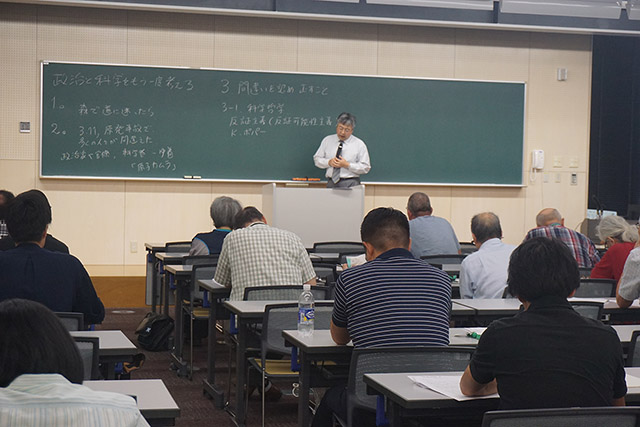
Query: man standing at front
(258, 255)
(343, 155)
(551, 224)
(430, 235)
(392, 300)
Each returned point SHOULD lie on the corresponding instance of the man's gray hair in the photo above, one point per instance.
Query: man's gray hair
(617, 228)
(347, 119)
(548, 216)
(419, 204)
(223, 210)
(486, 226)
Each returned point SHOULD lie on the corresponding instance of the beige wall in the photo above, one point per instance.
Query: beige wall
(100, 219)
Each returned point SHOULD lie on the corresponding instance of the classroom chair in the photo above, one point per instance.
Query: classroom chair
(72, 321)
(338, 247)
(565, 417)
(596, 288)
(633, 356)
(394, 360)
(467, 248)
(592, 310)
(276, 318)
(585, 272)
(89, 348)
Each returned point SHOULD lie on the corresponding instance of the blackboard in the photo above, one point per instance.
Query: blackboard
(134, 122)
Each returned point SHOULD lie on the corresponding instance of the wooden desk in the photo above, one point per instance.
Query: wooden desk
(114, 347)
(217, 294)
(406, 400)
(181, 275)
(247, 312)
(154, 400)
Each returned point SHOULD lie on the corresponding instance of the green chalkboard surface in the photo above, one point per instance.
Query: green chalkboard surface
(107, 121)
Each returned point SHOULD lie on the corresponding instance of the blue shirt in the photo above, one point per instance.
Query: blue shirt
(394, 300)
(57, 280)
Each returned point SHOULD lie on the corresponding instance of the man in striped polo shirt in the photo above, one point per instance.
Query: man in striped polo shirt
(392, 300)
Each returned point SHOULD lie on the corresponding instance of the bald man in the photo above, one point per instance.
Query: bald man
(551, 224)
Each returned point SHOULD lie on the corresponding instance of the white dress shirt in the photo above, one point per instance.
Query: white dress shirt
(354, 151)
(629, 287)
(483, 274)
(50, 400)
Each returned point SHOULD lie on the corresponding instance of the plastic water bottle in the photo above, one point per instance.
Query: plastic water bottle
(306, 312)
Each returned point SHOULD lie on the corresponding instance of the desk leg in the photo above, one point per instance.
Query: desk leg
(304, 380)
(209, 383)
(393, 414)
(241, 374)
(151, 261)
(179, 332)
(165, 289)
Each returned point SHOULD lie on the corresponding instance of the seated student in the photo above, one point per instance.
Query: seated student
(483, 274)
(7, 242)
(42, 373)
(392, 300)
(547, 356)
(59, 281)
(255, 254)
(629, 284)
(222, 210)
(619, 237)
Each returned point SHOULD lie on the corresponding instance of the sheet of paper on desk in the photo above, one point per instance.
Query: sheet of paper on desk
(448, 385)
(632, 381)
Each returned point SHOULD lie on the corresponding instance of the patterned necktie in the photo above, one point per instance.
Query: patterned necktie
(335, 177)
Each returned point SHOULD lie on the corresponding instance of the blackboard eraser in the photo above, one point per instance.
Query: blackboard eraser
(298, 179)
(197, 177)
(188, 177)
(313, 179)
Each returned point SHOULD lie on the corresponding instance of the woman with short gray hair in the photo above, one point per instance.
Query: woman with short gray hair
(619, 237)
(222, 210)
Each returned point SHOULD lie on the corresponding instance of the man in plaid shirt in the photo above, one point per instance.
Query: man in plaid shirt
(258, 255)
(551, 224)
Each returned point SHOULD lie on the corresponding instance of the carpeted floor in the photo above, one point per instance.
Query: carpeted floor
(196, 409)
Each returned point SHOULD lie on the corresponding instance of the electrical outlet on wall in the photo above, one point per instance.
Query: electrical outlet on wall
(574, 179)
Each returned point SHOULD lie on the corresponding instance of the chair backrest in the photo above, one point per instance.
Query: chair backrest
(72, 321)
(280, 317)
(89, 348)
(339, 247)
(596, 288)
(565, 417)
(201, 272)
(325, 271)
(286, 292)
(444, 258)
(200, 259)
(467, 248)
(177, 246)
(398, 359)
(585, 272)
(506, 293)
(592, 310)
(633, 356)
